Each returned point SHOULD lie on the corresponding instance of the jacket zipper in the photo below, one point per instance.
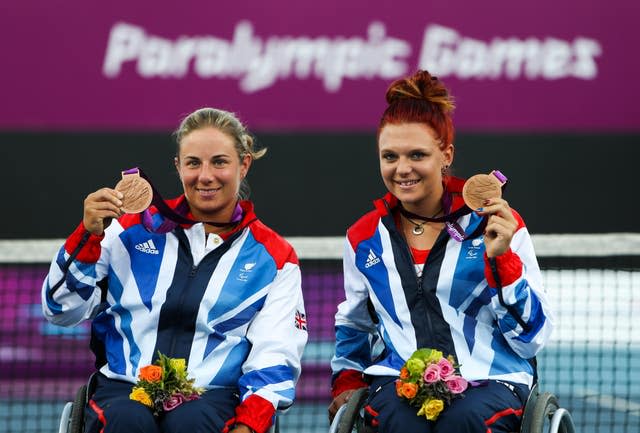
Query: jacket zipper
(419, 280)
(192, 273)
(419, 283)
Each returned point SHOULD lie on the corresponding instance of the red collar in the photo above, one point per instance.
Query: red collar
(248, 215)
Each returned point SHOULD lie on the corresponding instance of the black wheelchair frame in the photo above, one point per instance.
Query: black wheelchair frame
(540, 411)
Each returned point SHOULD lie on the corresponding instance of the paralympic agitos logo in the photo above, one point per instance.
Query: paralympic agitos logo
(260, 62)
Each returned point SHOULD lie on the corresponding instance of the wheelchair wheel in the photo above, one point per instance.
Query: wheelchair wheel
(350, 415)
(64, 418)
(76, 421)
(562, 422)
(545, 407)
(525, 426)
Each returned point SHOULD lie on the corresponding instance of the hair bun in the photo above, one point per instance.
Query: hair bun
(421, 86)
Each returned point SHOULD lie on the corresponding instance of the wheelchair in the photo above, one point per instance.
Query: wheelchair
(72, 417)
(542, 413)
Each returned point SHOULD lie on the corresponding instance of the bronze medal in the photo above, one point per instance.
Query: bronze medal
(137, 193)
(480, 187)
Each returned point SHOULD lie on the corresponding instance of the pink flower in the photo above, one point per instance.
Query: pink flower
(456, 384)
(173, 402)
(432, 373)
(446, 369)
(192, 397)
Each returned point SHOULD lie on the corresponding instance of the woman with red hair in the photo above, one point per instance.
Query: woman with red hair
(422, 270)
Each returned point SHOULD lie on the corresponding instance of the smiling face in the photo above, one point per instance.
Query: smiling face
(411, 162)
(211, 171)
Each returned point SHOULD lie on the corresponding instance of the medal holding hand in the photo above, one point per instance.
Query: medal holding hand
(99, 208)
(483, 193)
(132, 194)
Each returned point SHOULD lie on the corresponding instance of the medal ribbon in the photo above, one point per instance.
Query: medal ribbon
(173, 218)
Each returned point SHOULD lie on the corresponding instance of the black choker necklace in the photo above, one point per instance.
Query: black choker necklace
(418, 228)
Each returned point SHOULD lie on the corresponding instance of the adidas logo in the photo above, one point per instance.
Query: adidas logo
(372, 259)
(147, 247)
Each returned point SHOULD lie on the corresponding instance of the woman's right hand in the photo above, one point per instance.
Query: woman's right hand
(338, 402)
(99, 208)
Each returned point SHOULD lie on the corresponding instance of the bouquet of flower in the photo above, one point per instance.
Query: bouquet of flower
(429, 380)
(163, 386)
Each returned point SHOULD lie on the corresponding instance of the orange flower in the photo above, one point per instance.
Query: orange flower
(404, 373)
(409, 390)
(399, 387)
(151, 373)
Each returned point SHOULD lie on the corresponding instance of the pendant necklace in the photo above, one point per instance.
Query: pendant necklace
(418, 228)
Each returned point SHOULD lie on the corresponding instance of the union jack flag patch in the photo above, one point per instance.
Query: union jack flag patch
(301, 321)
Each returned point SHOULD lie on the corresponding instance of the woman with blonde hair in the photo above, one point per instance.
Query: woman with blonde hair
(198, 279)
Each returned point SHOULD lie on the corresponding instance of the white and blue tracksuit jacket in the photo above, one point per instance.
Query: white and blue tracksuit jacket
(456, 307)
(232, 308)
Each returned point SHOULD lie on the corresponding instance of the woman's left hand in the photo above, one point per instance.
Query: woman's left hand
(501, 226)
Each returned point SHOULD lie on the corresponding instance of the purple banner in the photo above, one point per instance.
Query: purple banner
(288, 65)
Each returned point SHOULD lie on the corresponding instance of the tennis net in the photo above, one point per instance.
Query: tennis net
(592, 363)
